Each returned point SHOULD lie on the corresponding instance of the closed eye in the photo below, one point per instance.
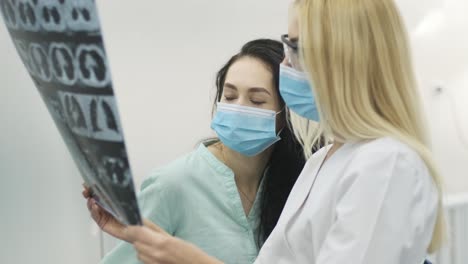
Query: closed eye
(257, 102)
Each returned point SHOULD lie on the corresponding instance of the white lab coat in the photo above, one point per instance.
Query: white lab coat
(372, 202)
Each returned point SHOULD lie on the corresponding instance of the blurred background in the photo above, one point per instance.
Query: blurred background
(164, 56)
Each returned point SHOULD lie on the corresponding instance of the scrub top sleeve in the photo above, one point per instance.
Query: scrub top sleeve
(385, 211)
(154, 205)
(156, 202)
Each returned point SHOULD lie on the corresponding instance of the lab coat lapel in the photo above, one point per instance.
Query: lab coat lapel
(303, 185)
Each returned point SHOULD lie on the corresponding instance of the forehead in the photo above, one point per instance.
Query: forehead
(249, 72)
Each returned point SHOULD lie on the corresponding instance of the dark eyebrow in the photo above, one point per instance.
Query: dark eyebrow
(251, 89)
(230, 86)
(259, 90)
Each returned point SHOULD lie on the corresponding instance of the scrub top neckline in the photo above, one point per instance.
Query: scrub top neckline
(231, 186)
(214, 161)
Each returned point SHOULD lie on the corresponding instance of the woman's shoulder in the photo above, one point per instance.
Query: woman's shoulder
(385, 148)
(358, 153)
(387, 159)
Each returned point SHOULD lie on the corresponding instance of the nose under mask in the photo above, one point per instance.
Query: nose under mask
(296, 91)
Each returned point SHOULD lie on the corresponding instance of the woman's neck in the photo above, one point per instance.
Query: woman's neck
(333, 149)
(248, 171)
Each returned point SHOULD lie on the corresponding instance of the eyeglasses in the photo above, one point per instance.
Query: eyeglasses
(291, 51)
(290, 43)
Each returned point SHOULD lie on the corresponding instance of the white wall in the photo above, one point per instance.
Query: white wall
(439, 34)
(164, 55)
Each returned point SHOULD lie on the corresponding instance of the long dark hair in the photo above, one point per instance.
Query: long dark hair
(287, 159)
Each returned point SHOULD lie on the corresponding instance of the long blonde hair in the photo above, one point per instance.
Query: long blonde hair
(307, 132)
(356, 52)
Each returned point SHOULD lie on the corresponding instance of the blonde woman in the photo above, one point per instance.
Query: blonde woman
(373, 196)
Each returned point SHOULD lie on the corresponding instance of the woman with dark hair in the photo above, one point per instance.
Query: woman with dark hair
(227, 195)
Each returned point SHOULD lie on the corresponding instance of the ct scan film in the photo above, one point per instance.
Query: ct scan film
(61, 46)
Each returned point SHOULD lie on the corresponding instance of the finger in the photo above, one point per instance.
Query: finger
(85, 191)
(98, 214)
(153, 226)
(88, 191)
(95, 210)
(85, 188)
(90, 203)
(132, 233)
(95, 214)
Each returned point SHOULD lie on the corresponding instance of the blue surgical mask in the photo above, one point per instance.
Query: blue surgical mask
(297, 93)
(247, 130)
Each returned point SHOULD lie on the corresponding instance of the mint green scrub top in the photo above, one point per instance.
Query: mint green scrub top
(195, 198)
